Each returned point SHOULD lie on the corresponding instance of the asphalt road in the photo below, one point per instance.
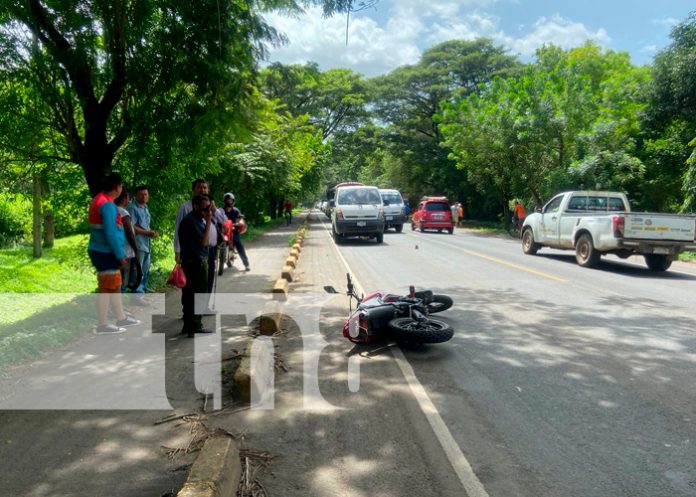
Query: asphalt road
(560, 380)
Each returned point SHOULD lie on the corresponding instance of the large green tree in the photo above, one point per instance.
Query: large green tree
(670, 123)
(409, 99)
(102, 73)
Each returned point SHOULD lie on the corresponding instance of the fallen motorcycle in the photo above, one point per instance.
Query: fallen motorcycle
(404, 319)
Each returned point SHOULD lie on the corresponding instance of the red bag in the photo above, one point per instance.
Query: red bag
(177, 277)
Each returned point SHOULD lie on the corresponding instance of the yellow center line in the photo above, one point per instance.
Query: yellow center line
(516, 266)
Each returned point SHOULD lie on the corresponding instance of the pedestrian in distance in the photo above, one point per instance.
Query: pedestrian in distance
(106, 251)
(287, 211)
(518, 215)
(143, 237)
(235, 215)
(193, 235)
(454, 209)
(460, 209)
(130, 247)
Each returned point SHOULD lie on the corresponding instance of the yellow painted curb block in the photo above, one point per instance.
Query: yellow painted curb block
(281, 286)
(291, 261)
(286, 273)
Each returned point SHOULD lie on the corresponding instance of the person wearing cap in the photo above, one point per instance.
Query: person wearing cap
(199, 187)
(234, 214)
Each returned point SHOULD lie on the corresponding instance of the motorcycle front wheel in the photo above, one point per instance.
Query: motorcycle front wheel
(420, 331)
(439, 303)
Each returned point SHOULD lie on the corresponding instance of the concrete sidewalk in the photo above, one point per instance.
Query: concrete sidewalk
(81, 420)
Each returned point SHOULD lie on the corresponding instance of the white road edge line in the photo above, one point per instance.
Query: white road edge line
(472, 485)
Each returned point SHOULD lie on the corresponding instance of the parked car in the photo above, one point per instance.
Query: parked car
(394, 216)
(357, 211)
(594, 223)
(433, 213)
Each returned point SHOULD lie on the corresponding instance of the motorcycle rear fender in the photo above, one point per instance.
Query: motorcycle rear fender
(425, 295)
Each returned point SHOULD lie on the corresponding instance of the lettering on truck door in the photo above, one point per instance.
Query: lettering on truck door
(550, 220)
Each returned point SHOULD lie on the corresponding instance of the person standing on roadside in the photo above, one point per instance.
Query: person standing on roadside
(193, 233)
(460, 208)
(455, 214)
(287, 211)
(518, 214)
(199, 187)
(130, 247)
(105, 249)
(143, 236)
(235, 215)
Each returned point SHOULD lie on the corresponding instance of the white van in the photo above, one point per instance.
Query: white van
(394, 216)
(357, 211)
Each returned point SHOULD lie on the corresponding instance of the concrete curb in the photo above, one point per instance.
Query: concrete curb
(281, 286)
(255, 372)
(269, 321)
(216, 472)
(286, 273)
(291, 261)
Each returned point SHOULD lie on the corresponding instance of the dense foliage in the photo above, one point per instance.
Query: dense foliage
(165, 92)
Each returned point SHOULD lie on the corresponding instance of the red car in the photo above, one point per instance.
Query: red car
(433, 213)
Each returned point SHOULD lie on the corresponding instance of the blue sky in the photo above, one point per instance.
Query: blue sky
(396, 32)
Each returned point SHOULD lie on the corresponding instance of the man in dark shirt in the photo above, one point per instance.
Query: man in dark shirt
(193, 234)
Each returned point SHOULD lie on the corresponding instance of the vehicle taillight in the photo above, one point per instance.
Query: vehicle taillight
(617, 226)
(339, 214)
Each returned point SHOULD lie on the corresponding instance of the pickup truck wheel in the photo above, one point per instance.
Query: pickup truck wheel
(585, 253)
(529, 246)
(399, 228)
(658, 262)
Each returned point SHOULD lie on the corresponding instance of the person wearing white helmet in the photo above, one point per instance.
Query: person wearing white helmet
(235, 215)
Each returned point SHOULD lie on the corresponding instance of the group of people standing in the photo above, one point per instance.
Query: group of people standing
(120, 247)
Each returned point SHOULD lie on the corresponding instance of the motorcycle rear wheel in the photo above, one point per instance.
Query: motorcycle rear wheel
(439, 303)
(410, 330)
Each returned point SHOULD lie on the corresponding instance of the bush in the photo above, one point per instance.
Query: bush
(15, 219)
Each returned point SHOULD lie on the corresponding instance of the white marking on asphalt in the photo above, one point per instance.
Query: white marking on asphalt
(472, 485)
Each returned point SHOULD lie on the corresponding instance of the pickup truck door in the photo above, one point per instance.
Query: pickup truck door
(550, 221)
(574, 209)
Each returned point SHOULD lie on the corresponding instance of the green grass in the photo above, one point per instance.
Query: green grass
(63, 269)
(492, 227)
(42, 301)
(688, 256)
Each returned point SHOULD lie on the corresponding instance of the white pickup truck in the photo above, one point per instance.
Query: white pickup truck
(595, 223)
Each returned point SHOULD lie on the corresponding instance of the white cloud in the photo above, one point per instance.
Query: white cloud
(376, 49)
(371, 49)
(666, 21)
(556, 30)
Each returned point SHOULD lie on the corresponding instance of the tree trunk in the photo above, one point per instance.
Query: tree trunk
(36, 208)
(49, 230)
